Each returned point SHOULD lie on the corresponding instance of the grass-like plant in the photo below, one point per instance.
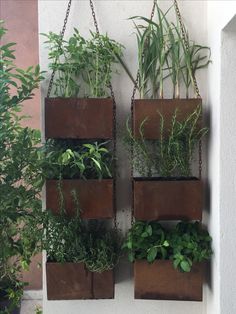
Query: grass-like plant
(67, 160)
(70, 239)
(162, 55)
(172, 154)
(80, 63)
(184, 244)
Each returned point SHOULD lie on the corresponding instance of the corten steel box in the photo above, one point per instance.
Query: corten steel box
(95, 197)
(79, 118)
(160, 281)
(156, 199)
(72, 281)
(150, 109)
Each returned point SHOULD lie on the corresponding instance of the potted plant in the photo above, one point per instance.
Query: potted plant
(20, 177)
(168, 262)
(167, 189)
(81, 256)
(164, 57)
(83, 69)
(84, 167)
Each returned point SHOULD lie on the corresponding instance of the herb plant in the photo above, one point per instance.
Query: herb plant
(70, 239)
(171, 155)
(76, 160)
(184, 244)
(81, 63)
(20, 174)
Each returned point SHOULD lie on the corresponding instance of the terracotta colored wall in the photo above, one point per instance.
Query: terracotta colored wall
(21, 20)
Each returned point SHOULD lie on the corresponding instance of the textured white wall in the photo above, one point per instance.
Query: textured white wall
(112, 18)
(221, 298)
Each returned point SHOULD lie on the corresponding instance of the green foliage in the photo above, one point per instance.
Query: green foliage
(69, 239)
(162, 54)
(185, 244)
(65, 159)
(80, 62)
(172, 155)
(20, 175)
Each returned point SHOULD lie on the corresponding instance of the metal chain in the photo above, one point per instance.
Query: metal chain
(197, 91)
(132, 116)
(62, 36)
(94, 16)
(114, 125)
(183, 31)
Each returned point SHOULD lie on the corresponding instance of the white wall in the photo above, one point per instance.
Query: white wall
(112, 18)
(222, 295)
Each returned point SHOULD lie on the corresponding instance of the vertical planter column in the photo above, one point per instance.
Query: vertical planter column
(88, 120)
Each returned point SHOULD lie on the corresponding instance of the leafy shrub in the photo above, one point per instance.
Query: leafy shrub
(185, 244)
(21, 177)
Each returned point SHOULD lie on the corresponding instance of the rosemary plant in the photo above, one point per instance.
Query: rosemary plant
(172, 155)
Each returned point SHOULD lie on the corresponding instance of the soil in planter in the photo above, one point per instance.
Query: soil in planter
(160, 281)
(71, 281)
(168, 198)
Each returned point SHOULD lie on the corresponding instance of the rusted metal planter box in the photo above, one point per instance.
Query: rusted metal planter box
(71, 281)
(95, 197)
(160, 281)
(79, 118)
(149, 108)
(157, 199)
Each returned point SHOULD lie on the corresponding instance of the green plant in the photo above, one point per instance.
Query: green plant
(66, 159)
(20, 173)
(38, 310)
(184, 244)
(78, 63)
(101, 54)
(162, 54)
(74, 240)
(171, 155)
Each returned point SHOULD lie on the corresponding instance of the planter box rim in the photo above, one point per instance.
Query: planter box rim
(160, 179)
(78, 98)
(79, 179)
(169, 99)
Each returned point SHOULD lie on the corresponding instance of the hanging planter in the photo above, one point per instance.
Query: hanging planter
(151, 109)
(167, 199)
(168, 262)
(79, 118)
(95, 197)
(160, 281)
(71, 281)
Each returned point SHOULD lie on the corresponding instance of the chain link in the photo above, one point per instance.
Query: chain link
(62, 36)
(183, 31)
(197, 91)
(114, 125)
(132, 117)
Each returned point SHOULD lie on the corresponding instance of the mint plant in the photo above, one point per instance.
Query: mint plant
(184, 244)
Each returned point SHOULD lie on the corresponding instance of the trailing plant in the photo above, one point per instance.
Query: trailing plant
(65, 159)
(184, 244)
(78, 63)
(172, 154)
(20, 173)
(70, 239)
(162, 54)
